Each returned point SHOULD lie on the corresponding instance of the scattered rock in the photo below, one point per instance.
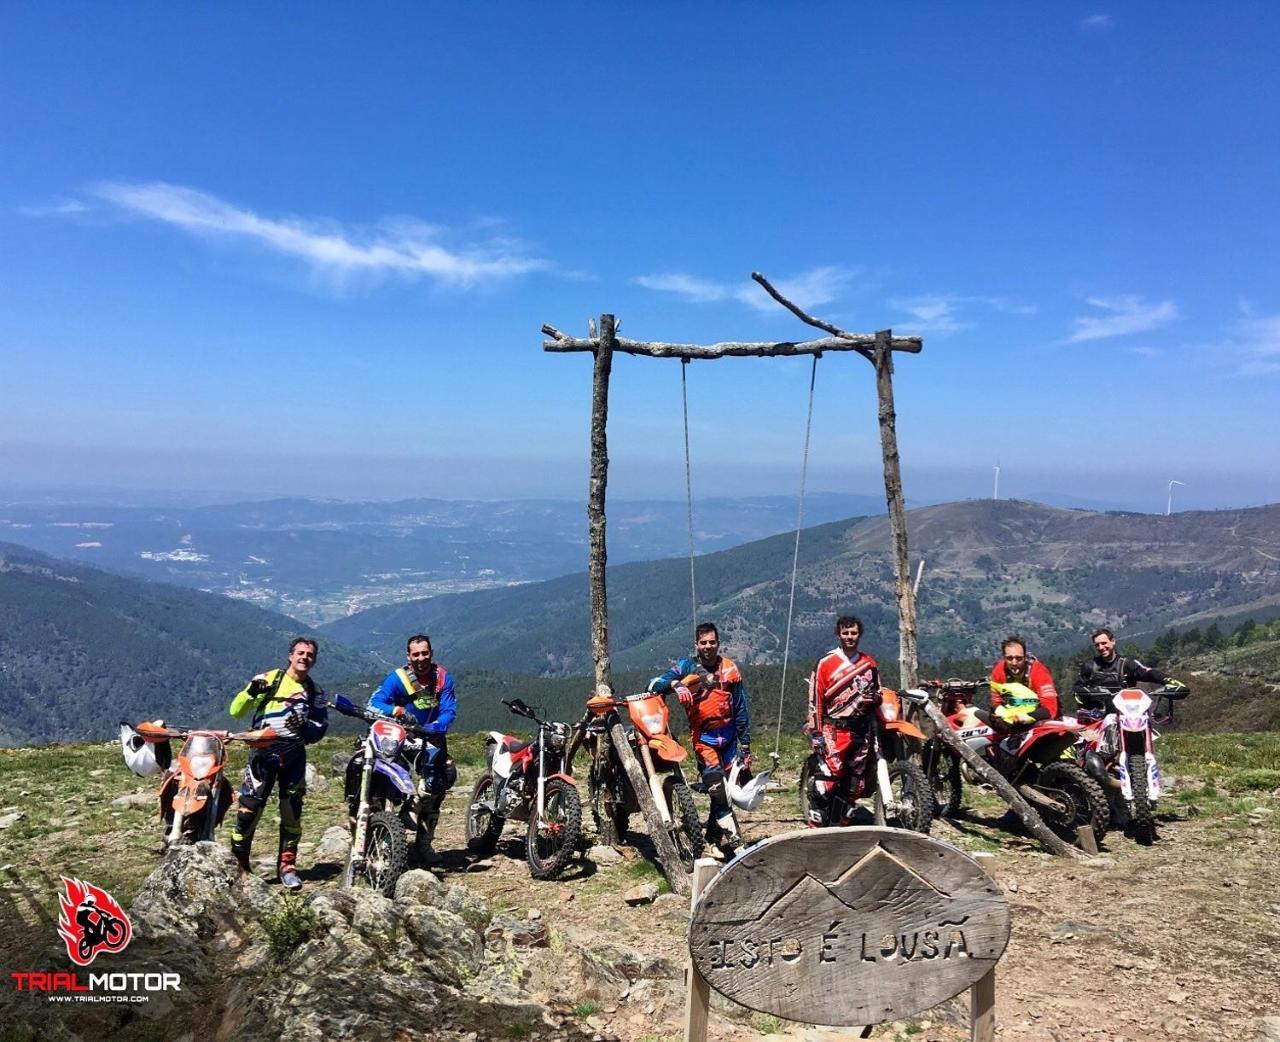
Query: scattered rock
(1269, 1029)
(338, 763)
(642, 894)
(533, 914)
(418, 886)
(135, 799)
(603, 856)
(517, 932)
(333, 845)
(11, 819)
(315, 781)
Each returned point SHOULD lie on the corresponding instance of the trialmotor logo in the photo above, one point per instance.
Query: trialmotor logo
(91, 922)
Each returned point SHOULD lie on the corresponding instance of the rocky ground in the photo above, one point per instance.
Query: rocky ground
(1173, 941)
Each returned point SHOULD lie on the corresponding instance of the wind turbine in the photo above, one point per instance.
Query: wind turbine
(995, 494)
(1168, 507)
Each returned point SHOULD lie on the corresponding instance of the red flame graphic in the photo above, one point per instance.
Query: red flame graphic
(91, 921)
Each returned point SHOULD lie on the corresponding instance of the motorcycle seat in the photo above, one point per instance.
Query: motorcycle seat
(517, 747)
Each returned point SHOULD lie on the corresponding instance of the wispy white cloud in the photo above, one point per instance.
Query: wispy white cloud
(1256, 339)
(809, 289)
(1145, 352)
(61, 208)
(1097, 21)
(941, 312)
(403, 247)
(1122, 315)
(687, 287)
(931, 314)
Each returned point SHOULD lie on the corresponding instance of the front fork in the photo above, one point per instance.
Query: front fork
(362, 813)
(655, 780)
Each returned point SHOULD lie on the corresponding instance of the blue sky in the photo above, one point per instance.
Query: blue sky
(309, 250)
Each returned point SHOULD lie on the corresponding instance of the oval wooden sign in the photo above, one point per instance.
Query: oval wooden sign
(848, 926)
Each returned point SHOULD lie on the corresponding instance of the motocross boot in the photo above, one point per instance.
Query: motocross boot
(422, 847)
(241, 854)
(288, 871)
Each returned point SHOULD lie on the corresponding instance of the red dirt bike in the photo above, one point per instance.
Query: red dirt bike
(528, 781)
(613, 800)
(892, 776)
(194, 792)
(1117, 749)
(1031, 759)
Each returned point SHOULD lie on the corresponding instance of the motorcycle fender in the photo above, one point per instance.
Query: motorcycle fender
(667, 748)
(904, 727)
(563, 777)
(188, 801)
(398, 775)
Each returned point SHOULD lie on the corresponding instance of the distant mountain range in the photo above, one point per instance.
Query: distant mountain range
(81, 649)
(317, 560)
(991, 567)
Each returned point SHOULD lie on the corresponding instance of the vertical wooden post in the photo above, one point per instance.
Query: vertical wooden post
(597, 553)
(982, 996)
(883, 361)
(697, 991)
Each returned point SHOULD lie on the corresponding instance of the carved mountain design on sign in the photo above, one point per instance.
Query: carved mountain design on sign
(877, 883)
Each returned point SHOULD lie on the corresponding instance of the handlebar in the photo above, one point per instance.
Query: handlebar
(954, 684)
(346, 707)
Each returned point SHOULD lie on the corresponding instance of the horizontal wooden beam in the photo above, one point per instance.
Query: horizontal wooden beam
(864, 344)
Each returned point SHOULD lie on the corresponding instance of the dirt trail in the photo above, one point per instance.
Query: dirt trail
(1176, 941)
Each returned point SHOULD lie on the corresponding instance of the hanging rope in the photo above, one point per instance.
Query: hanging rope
(795, 558)
(688, 488)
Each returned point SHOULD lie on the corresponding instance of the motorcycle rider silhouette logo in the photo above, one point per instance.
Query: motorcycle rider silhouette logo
(91, 922)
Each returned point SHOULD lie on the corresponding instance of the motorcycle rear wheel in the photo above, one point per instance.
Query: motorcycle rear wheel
(1141, 817)
(483, 826)
(611, 819)
(946, 783)
(1088, 804)
(386, 855)
(687, 831)
(552, 838)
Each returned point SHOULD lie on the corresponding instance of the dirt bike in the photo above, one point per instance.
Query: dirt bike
(1118, 752)
(194, 792)
(1031, 759)
(383, 801)
(898, 784)
(940, 763)
(528, 781)
(105, 929)
(613, 800)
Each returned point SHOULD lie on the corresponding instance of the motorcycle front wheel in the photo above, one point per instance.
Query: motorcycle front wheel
(1142, 816)
(552, 838)
(386, 855)
(686, 832)
(912, 798)
(483, 826)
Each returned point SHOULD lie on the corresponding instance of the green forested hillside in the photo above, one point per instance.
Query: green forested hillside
(81, 649)
(991, 567)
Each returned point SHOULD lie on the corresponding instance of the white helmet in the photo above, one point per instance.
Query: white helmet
(746, 796)
(139, 754)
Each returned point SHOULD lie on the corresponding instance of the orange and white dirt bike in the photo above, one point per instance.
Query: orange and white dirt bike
(647, 725)
(194, 792)
(893, 776)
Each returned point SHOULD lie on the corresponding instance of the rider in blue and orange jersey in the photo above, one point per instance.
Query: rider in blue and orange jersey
(711, 689)
(423, 691)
